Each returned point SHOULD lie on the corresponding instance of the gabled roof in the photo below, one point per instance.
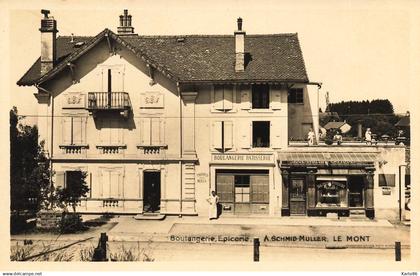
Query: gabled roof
(334, 125)
(194, 58)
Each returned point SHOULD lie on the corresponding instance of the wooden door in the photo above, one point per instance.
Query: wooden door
(297, 193)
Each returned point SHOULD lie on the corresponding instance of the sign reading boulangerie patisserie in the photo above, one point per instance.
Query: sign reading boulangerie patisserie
(242, 158)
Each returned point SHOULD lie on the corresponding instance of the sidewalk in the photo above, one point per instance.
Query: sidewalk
(288, 232)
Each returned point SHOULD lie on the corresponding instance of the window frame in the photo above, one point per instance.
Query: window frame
(292, 96)
(256, 89)
(268, 145)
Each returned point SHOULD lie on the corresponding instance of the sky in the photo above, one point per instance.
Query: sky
(358, 50)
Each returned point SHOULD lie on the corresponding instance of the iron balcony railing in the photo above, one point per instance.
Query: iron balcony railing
(108, 101)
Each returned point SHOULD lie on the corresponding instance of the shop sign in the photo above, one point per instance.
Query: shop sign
(242, 158)
(202, 178)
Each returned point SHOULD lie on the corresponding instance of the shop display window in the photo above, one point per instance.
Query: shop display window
(331, 193)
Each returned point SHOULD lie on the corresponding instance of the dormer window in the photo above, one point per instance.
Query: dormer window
(260, 96)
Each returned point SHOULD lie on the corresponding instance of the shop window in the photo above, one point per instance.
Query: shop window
(331, 193)
(223, 97)
(386, 180)
(223, 135)
(261, 134)
(74, 130)
(260, 96)
(295, 95)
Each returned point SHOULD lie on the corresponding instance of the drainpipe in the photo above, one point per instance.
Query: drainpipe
(399, 190)
(180, 149)
(52, 135)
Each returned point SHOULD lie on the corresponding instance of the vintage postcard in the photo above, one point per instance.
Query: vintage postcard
(226, 135)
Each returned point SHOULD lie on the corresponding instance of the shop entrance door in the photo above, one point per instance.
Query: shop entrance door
(242, 194)
(297, 197)
(356, 187)
(151, 192)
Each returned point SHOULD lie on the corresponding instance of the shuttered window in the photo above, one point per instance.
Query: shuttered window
(224, 187)
(223, 135)
(152, 132)
(111, 183)
(223, 97)
(74, 130)
(111, 132)
(260, 189)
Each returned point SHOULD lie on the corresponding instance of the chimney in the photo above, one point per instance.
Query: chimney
(239, 47)
(48, 42)
(125, 27)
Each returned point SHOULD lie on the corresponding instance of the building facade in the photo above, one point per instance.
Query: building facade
(158, 122)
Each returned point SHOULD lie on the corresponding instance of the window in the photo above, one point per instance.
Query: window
(152, 132)
(331, 193)
(223, 97)
(64, 179)
(260, 96)
(386, 180)
(223, 135)
(111, 183)
(111, 131)
(261, 134)
(74, 130)
(295, 95)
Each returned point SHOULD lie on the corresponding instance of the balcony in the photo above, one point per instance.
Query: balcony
(109, 101)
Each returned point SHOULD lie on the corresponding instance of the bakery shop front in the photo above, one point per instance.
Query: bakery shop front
(318, 183)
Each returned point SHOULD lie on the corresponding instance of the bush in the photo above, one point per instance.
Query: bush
(18, 223)
(71, 223)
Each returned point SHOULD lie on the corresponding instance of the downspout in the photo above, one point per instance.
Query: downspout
(316, 126)
(52, 137)
(180, 149)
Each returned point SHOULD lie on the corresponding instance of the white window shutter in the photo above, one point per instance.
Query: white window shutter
(228, 135)
(155, 131)
(105, 132)
(275, 99)
(217, 135)
(99, 184)
(227, 98)
(145, 131)
(245, 100)
(218, 97)
(245, 139)
(117, 74)
(66, 127)
(162, 131)
(115, 184)
(78, 131)
(106, 188)
(275, 135)
(60, 179)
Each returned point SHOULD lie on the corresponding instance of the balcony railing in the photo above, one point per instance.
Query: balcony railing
(108, 101)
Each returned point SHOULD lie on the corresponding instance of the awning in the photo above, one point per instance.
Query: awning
(327, 158)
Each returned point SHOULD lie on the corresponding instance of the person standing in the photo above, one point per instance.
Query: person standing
(311, 137)
(213, 200)
(368, 136)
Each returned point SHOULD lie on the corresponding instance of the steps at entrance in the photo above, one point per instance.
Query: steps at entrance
(358, 214)
(149, 216)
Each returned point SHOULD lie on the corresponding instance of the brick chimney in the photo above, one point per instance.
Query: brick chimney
(239, 47)
(48, 42)
(125, 27)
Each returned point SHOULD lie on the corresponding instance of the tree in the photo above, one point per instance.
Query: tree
(29, 167)
(75, 188)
